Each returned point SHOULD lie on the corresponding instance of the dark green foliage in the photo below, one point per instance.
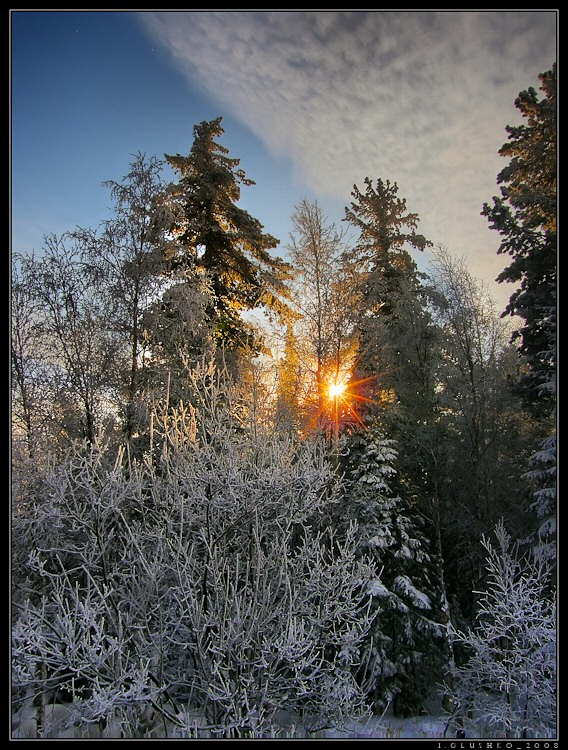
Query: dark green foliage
(396, 338)
(380, 217)
(525, 217)
(408, 645)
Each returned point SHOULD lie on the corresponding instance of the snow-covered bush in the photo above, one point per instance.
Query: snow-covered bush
(508, 685)
(209, 582)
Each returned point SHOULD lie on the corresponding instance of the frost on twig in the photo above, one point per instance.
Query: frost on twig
(508, 685)
(207, 581)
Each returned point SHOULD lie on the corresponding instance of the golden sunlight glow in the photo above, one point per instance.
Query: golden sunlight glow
(336, 389)
(338, 399)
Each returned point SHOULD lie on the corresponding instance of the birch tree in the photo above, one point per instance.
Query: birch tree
(324, 301)
(73, 320)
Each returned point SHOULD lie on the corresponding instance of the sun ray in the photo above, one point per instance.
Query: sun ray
(354, 414)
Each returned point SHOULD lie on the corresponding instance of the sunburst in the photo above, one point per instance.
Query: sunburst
(341, 399)
(336, 389)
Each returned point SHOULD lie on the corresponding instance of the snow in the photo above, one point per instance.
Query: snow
(59, 725)
(376, 588)
(404, 585)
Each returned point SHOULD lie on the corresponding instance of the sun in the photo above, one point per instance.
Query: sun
(338, 398)
(341, 397)
(336, 390)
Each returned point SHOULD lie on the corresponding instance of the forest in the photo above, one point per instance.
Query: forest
(251, 493)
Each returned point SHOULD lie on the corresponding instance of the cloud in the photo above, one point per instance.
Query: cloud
(418, 97)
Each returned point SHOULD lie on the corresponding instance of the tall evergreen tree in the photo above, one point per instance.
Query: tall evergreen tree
(408, 648)
(525, 217)
(393, 324)
(210, 234)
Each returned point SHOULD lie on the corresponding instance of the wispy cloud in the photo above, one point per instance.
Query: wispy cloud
(418, 97)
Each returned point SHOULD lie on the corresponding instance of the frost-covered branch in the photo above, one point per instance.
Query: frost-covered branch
(208, 581)
(509, 681)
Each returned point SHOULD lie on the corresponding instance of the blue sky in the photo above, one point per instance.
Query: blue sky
(312, 103)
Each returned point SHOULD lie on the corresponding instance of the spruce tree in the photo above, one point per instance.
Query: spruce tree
(394, 384)
(525, 217)
(211, 235)
(394, 330)
(408, 647)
